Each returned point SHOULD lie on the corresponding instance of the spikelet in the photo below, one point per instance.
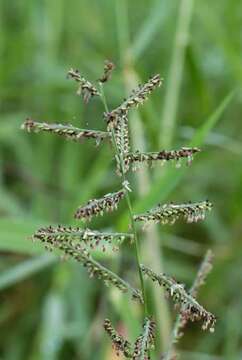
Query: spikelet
(169, 213)
(203, 272)
(149, 158)
(119, 343)
(121, 137)
(86, 90)
(137, 97)
(108, 69)
(67, 131)
(91, 238)
(145, 341)
(96, 207)
(79, 253)
(189, 307)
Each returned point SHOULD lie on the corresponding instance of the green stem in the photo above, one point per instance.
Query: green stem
(130, 208)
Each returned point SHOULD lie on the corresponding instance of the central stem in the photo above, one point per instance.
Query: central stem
(130, 208)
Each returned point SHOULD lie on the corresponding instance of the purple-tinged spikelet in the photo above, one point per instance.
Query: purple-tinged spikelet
(188, 305)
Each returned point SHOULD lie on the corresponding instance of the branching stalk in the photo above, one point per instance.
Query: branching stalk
(129, 204)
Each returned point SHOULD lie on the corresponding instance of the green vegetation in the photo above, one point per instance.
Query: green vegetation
(50, 309)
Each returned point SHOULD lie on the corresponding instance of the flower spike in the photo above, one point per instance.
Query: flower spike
(170, 213)
(85, 89)
(137, 97)
(52, 235)
(95, 207)
(67, 131)
(108, 69)
(150, 158)
(190, 308)
(145, 341)
(120, 344)
(79, 253)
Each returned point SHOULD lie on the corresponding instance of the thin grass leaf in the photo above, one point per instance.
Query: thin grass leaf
(25, 269)
(149, 28)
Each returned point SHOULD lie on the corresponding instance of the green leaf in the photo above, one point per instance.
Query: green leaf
(25, 269)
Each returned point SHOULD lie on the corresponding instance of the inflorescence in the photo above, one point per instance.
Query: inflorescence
(85, 89)
(119, 343)
(170, 213)
(145, 341)
(77, 243)
(190, 308)
(149, 158)
(56, 238)
(52, 235)
(107, 73)
(94, 207)
(67, 131)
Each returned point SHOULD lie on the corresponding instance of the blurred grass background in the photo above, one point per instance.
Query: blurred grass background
(50, 309)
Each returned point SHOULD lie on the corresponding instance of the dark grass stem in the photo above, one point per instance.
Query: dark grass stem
(129, 204)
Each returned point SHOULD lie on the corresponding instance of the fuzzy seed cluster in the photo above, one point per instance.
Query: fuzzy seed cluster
(120, 344)
(170, 213)
(67, 131)
(96, 207)
(145, 341)
(191, 309)
(86, 90)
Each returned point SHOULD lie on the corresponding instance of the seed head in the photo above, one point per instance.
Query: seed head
(149, 158)
(63, 240)
(52, 236)
(170, 213)
(120, 344)
(145, 341)
(86, 90)
(108, 69)
(190, 308)
(67, 131)
(97, 206)
(137, 97)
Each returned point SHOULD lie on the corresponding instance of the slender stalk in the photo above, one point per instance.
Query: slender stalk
(130, 209)
(153, 253)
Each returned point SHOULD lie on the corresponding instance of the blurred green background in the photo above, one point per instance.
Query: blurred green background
(50, 309)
